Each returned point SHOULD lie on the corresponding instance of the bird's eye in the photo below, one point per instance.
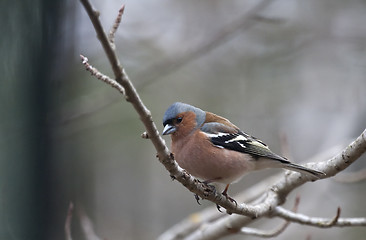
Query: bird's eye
(179, 120)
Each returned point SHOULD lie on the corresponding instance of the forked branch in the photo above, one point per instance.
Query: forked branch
(275, 196)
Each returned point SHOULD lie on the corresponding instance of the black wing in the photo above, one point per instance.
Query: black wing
(236, 140)
(225, 137)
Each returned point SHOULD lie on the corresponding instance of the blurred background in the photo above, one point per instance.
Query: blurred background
(293, 68)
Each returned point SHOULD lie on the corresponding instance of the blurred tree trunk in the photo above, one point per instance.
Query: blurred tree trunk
(29, 36)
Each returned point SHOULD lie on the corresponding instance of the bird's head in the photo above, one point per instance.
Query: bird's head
(182, 118)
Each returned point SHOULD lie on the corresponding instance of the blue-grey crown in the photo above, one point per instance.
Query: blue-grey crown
(178, 107)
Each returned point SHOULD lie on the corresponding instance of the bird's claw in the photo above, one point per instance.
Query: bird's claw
(230, 198)
(218, 208)
(209, 189)
(197, 199)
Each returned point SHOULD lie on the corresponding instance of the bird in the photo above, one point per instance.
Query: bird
(213, 149)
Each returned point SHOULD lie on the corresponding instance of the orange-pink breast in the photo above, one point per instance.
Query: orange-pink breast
(208, 162)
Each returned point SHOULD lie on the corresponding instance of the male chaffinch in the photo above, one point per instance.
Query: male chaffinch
(213, 149)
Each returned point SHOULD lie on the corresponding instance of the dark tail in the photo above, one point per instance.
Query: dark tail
(301, 169)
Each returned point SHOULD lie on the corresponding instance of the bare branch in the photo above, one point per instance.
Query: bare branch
(207, 216)
(167, 66)
(68, 221)
(210, 214)
(297, 203)
(274, 197)
(87, 226)
(281, 189)
(344, 159)
(101, 76)
(218, 228)
(278, 192)
(94, 17)
(266, 206)
(265, 234)
(130, 91)
(319, 222)
(274, 232)
(163, 153)
(115, 26)
(335, 219)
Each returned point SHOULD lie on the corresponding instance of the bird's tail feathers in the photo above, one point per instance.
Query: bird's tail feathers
(301, 169)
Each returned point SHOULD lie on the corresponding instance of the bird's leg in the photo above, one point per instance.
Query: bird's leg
(227, 196)
(209, 188)
(207, 182)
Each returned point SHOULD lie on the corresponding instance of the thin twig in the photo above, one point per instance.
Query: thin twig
(68, 221)
(101, 76)
(87, 226)
(115, 26)
(270, 233)
(163, 152)
(185, 227)
(263, 233)
(335, 219)
(169, 65)
(275, 198)
(318, 222)
(218, 228)
(297, 203)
